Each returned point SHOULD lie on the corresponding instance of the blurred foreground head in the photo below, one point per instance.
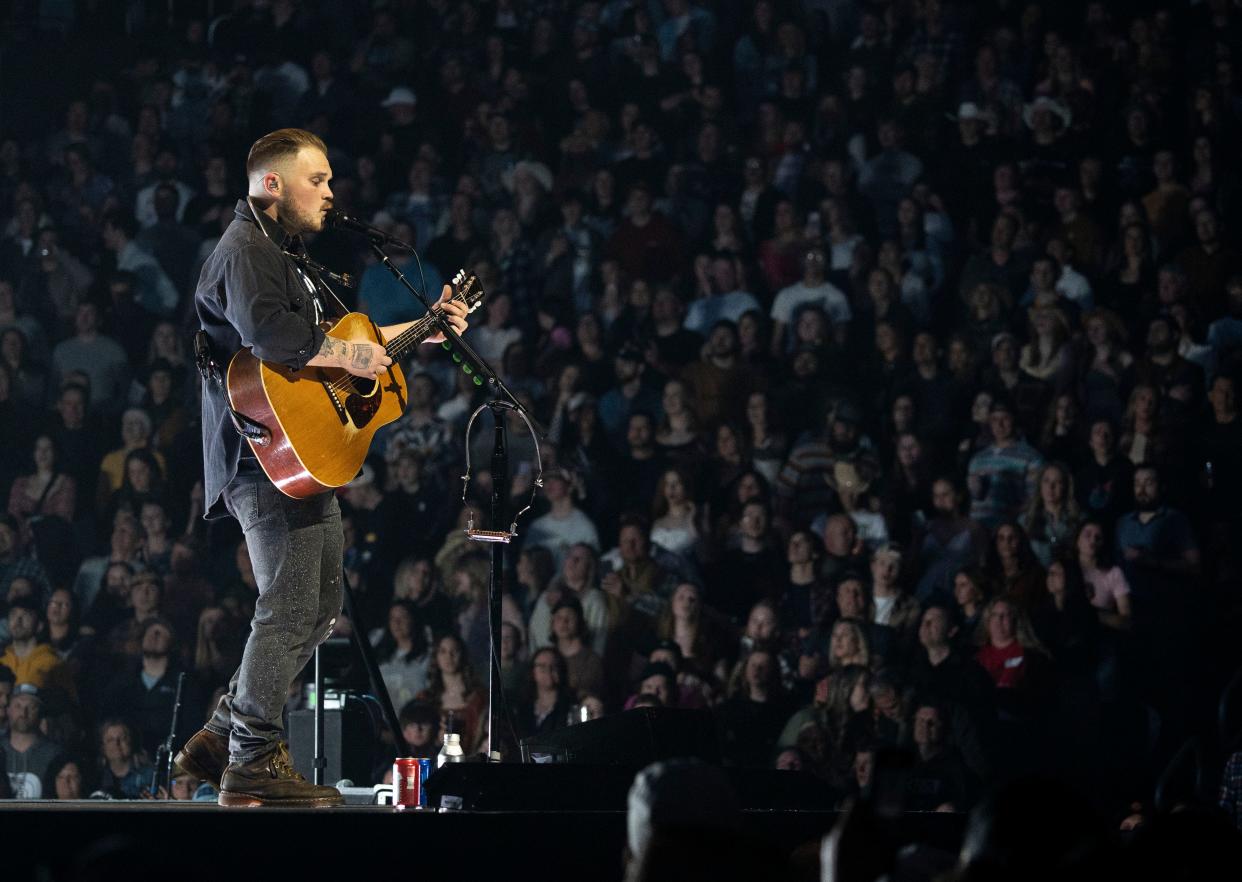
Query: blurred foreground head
(684, 822)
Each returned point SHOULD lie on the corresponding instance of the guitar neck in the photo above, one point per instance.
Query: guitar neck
(407, 341)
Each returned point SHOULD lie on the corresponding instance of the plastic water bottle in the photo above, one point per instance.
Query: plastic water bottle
(451, 752)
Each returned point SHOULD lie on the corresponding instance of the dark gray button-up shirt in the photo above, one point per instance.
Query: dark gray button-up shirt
(249, 295)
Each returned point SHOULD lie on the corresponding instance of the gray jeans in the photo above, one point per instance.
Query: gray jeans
(295, 548)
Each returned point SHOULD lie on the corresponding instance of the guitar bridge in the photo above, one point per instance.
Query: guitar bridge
(337, 404)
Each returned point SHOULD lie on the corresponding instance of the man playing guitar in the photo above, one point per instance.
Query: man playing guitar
(251, 294)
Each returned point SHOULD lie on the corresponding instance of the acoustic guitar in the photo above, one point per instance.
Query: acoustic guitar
(313, 426)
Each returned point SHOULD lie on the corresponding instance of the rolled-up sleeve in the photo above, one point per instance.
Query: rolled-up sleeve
(257, 304)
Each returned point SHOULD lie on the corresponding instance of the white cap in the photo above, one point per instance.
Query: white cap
(969, 110)
(400, 95)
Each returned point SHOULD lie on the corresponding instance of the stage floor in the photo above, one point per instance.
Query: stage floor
(147, 840)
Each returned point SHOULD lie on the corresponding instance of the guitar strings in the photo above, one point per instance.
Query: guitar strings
(345, 383)
(417, 330)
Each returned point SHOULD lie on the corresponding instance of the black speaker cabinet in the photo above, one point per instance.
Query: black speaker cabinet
(525, 787)
(349, 737)
(572, 787)
(634, 738)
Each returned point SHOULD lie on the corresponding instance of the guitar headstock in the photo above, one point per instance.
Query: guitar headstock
(467, 289)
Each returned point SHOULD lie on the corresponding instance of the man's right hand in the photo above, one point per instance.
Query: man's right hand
(362, 358)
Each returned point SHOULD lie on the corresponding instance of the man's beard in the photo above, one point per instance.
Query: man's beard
(299, 223)
(1146, 506)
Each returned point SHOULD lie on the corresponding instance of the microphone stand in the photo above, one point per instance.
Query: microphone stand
(502, 399)
(164, 753)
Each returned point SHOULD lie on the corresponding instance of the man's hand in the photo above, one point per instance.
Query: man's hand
(454, 310)
(362, 358)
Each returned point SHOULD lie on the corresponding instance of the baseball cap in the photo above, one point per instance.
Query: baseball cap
(28, 689)
(400, 95)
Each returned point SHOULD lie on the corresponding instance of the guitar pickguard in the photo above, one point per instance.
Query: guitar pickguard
(362, 408)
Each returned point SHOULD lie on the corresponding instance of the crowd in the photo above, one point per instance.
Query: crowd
(888, 351)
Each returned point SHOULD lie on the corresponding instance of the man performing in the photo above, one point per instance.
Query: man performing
(250, 294)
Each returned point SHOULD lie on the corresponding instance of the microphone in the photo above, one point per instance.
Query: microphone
(338, 220)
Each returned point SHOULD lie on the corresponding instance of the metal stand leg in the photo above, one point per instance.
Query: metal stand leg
(321, 761)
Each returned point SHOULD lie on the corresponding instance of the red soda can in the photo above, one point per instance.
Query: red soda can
(407, 784)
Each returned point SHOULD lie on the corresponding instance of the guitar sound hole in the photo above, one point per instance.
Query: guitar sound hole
(363, 403)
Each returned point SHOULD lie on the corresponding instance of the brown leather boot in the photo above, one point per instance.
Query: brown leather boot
(205, 756)
(272, 780)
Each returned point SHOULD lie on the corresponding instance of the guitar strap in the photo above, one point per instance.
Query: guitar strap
(209, 369)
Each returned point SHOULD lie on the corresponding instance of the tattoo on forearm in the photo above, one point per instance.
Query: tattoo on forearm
(332, 348)
(360, 356)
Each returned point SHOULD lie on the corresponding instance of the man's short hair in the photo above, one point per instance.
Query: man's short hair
(123, 221)
(27, 602)
(1150, 467)
(634, 519)
(279, 145)
(419, 712)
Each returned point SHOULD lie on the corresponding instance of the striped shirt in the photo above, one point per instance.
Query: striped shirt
(1002, 479)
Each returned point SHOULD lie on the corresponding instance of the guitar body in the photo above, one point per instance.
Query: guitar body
(320, 420)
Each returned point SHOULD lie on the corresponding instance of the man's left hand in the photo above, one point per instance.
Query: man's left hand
(454, 310)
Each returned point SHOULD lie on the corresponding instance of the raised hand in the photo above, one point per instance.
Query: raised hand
(454, 310)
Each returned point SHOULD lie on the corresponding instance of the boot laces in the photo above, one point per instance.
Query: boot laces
(283, 764)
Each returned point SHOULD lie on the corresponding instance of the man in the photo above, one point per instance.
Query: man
(722, 298)
(96, 355)
(76, 437)
(8, 684)
(565, 525)
(1155, 541)
(750, 571)
(939, 780)
(813, 289)
(31, 658)
(939, 398)
(156, 292)
(892, 607)
(1159, 555)
(947, 542)
(1180, 381)
(646, 244)
(1104, 481)
(671, 346)
(174, 245)
(843, 549)
(1076, 228)
(941, 670)
(28, 755)
(629, 394)
(14, 563)
(1209, 263)
(638, 581)
(146, 692)
(888, 175)
(1218, 452)
(999, 263)
(250, 294)
(720, 380)
(640, 464)
(802, 487)
(1001, 477)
